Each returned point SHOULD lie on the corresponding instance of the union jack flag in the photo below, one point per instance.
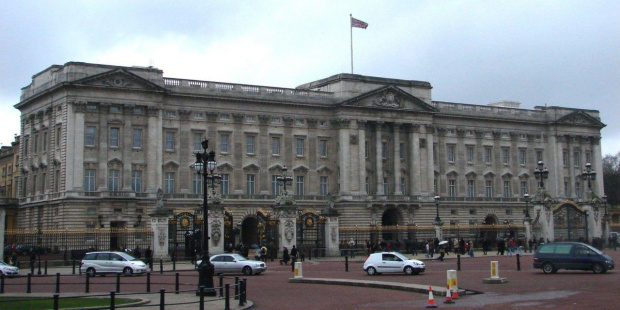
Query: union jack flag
(358, 23)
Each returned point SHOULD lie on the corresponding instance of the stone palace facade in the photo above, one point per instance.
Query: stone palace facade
(98, 141)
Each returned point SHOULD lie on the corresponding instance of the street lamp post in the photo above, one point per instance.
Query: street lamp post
(205, 165)
(284, 179)
(589, 175)
(437, 219)
(606, 219)
(541, 173)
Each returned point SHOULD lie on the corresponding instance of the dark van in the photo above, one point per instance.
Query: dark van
(571, 256)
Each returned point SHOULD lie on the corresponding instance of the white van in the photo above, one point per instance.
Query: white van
(111, 262)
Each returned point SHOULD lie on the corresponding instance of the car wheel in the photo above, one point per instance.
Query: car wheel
(127, 271)
(247, 270)
(408, 270)
(548, 268)
(371, 271)
(597, 268)
(91, 272)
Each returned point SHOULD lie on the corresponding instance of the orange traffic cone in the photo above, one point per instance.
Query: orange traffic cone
(448, 297)
(431, 299)
(455, 294)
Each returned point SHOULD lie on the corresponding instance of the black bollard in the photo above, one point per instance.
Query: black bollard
(118, 282)
(227, 299)
(28, 284)
(45, 273)
(162, 299)
(346, 263)
(148, 282)
(201, 303)
(73, 267)
(221, 285)
(176, 283)
(236, 287)
(458, 262)
(112, 300)
(293, 265)
(2, 283)
(56, 297)
(87, 286)
(518, 262)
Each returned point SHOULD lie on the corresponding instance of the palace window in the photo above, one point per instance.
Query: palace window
(169, 182)
(114, 136)
(91, 132)
(136, 181)
(89, 180)
(169, 141)
(507, 189)
(323, 148)
(224, 142)
(300, 185)
(114, 180)
(250, 182)
(249, 145)
(324, 189)
(137, 138)
(275, 145)
(224, 183)
(489, 188)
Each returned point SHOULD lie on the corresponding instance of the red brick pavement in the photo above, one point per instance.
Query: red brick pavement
(525, 289)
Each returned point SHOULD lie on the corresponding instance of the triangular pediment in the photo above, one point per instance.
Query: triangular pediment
(119, 79)
(389, 97)
(580, 118)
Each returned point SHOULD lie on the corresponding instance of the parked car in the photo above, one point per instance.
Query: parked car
(8, 270)
(392, 262)
(551, 257)
(111, 262)
(235, 263)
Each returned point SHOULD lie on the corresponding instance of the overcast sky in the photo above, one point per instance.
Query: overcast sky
(564, 53)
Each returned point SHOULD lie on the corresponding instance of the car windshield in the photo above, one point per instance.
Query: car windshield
(3, 263)
(401, 256)
(128, 257)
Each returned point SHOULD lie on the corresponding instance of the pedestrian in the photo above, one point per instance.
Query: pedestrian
(462, 246)
(285, 257)
(33, 258)
(428, 250)
(136, 252)
(485, 246)
(511, 246)
(294, 254)
(442, 253)
(501, 247)
(263, 253)
(471, 249)
(148, 255)
(302, 252)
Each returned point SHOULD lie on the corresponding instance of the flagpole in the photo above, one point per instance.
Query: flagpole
(351, 28)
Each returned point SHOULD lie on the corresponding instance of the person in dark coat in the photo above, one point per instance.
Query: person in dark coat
(136, 252)
(285, 257)
(462, 246)
(293, 255)
(148, 255)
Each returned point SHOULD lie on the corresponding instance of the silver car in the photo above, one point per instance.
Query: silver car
(235, 263)
(8, 270)
(111, 262)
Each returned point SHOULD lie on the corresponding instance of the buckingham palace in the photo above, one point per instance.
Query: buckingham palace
(98, 142)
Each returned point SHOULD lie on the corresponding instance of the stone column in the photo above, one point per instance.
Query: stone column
(159, 224)
(154, 151)
(397, 172)
(216, 225)
(379, 158)
(361, 129)
(545, 221)
(597, 165)
(430, 163)
(237, 141)
(264, 154)
(415, 174)
(287, 226)
(344, 156)
(2, 231)
(438, 230)
(332, 233)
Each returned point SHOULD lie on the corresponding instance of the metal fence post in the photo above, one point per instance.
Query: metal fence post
(87, 290)
(346, 263)
(57, 282)
(118, 282)
(73, 267)
(161, 266)
(45, 273)
(148, 282)
(112, 300)
(162, 299)
(458, 262)
(28, 290)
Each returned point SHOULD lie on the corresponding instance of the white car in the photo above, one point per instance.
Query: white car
(392, 262)
(8, 270)
(235, 263)
(111, 262)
